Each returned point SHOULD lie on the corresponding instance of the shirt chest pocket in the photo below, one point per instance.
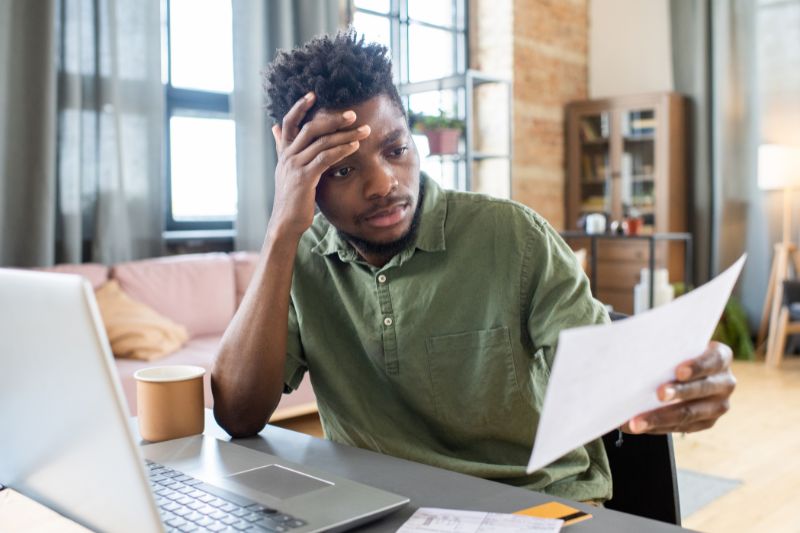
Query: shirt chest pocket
(473, 380)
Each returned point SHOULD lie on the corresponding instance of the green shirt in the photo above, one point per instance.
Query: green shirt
(442, 355)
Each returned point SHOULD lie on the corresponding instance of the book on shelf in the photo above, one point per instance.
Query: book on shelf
(586, 167)
(594, 203)
(634, 126)
(643, 126)
(588, 132)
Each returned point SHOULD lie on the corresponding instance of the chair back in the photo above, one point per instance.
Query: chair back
(644, 476)
(643, 473)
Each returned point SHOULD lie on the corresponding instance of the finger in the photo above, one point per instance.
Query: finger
(291, 121)
(322, 124)
(325, 159)
(715, 359)
(721, 384)
(679, 416)
(329, 141)
(629, 426)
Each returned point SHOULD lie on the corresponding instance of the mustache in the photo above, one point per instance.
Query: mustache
(385, 204)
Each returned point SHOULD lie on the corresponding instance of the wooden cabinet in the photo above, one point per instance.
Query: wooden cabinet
(626, 156)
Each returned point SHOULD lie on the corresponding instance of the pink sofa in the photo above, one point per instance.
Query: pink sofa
(199, 291)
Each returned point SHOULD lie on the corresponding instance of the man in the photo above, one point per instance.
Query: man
(427, 319)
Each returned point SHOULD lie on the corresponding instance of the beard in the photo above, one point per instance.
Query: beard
(392, 248)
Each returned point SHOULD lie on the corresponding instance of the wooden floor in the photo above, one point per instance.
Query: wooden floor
(757, 442)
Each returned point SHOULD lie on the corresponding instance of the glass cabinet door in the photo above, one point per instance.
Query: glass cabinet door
(595, 187)
(637, 166)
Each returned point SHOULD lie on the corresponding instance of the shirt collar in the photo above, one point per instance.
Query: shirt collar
(430, 235)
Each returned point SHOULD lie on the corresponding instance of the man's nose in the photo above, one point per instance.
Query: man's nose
(381, 182)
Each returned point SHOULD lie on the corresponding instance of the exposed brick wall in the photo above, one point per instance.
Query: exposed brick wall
(550, 69)
(543, 46)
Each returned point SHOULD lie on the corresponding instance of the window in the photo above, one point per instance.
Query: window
(200, 133)
(427, 40)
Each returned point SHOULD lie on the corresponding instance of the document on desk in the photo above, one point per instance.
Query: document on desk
(433, 520)
(605, 375)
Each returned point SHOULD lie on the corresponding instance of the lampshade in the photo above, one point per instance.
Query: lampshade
(778, 167)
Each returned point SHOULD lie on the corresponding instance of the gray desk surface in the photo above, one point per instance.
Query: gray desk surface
(425, 485)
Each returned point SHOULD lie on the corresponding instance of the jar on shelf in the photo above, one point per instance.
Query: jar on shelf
(663, 292)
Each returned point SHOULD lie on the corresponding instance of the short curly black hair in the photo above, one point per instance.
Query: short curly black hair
(342, 69)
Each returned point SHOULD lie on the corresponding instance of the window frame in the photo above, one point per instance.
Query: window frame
(399, 24)
(399, 31)
(187, 102)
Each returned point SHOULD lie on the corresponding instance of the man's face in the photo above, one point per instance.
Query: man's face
(372, 194)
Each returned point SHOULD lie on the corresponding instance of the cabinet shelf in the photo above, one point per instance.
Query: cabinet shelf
(618, 162)
(594, 142)
(477, 156)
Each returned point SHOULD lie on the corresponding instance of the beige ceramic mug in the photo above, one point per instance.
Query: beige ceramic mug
(169, 401)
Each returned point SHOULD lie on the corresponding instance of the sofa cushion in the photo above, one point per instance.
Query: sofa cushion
(195, 290)
(244, 264)
(97, 274)
(135, 330)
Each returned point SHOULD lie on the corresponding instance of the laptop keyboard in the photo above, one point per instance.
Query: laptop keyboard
(190, 505)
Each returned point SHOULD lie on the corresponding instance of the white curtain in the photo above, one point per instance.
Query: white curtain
(739, 61)
(110, 185)
(758, 87)
(734, 132)
(260, 27)
(81, 131)
(27, 132)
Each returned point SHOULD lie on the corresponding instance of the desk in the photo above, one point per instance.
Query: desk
(427, 486)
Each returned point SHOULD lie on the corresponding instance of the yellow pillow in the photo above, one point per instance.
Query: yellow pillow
(135, 330)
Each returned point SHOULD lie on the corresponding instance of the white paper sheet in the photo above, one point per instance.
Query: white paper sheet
(605, 375)
(433, 520)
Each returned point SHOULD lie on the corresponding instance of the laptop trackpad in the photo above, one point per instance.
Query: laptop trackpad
(278, 482)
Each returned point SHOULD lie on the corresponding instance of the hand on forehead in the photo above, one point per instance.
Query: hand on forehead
(329, 115)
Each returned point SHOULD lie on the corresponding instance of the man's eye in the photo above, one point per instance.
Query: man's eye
(397, 152)
(341, 172)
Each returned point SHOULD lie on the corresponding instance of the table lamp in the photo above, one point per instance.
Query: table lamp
(778, 169)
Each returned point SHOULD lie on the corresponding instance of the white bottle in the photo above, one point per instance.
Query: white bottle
(663, 293)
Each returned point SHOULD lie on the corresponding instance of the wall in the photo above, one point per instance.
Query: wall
(557, 51)
(542, 46)
(624, 34)
(550, 40)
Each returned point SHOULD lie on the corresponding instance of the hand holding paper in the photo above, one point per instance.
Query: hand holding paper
(695, 399)
(605, 375)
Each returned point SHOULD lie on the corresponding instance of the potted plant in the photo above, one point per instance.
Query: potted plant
(443, 132)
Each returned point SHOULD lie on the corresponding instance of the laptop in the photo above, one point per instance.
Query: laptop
(67, 441)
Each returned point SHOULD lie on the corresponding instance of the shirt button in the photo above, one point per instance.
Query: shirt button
(387, 321)
(382, 279)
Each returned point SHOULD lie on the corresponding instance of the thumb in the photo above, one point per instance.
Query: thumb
(276, 133)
